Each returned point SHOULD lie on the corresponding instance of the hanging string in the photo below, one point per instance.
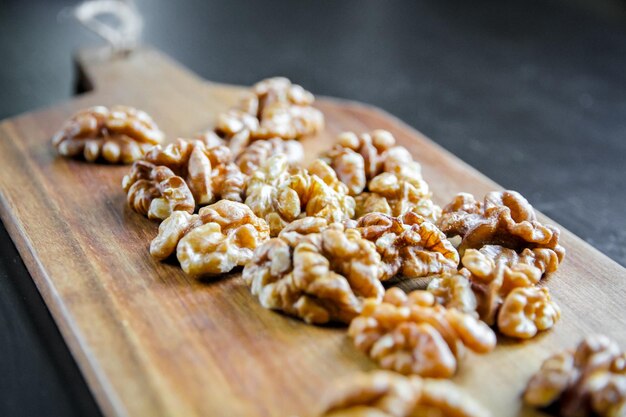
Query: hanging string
(124, 36)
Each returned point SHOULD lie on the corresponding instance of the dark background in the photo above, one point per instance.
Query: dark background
(532, 93)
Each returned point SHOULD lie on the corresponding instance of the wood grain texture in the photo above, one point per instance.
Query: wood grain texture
(152, 342)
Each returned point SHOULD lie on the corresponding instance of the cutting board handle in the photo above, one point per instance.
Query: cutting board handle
(99, 69)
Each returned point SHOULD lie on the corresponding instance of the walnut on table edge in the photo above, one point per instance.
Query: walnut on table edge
(587, 381)
(387, 394)
(219, 238)
(411, 334)
(119, 134)
(503, 218)
(281, 194)
(319, 274)
(409, 245)
(504, 283)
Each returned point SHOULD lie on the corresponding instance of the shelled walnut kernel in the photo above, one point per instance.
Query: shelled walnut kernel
(284, 110)
(280, 194)
(119, 134)
(411, 334)
(408, 245)
(588, 381)
(219, 238)
(317, 273)
(387, 394)
(499, 273)
(208, 173)
(504, 218)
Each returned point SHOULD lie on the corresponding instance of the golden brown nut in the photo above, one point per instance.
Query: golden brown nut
(255, 155)
(209, 174)
(156, 192)
(527, 311)
(387, 394)
(284, 110)
(358, 159)
(118, 135)
(590, 381)
(219, 238)
(280, 194)
(409, 245)
(495, 272)
(320, 274)
(454, 290)
(412, 334)
(394, 195)
(504, 218)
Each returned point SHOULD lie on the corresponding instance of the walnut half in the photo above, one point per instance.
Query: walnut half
(119, 134)
(281, 194)
(320, 274)
(588, 381)
(409, 245)
(208, 174)
(387, 394)
(219, 238)
(410, 334)
(503, 218)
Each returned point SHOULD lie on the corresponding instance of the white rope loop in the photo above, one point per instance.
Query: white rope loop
(122, 37)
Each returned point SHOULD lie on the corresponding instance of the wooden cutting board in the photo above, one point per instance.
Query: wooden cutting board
(152, 342)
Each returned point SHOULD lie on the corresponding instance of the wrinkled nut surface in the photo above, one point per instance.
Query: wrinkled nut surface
(255, 155)
(387, 394)
(503, 218)
(454, 290)
(118, 134)
(393, 195)
(527, 311)
(411, 334)
(409, 245)
(281, 194)
(497, 272)
(315, 272)
(219, 238)
(208, 173)
(156, 192)
(588, 381)
(358, 158)
(283, 109)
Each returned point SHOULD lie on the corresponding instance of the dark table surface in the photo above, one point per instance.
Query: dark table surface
(532, 93)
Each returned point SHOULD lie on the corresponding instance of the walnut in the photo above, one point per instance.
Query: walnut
(283, 109)
(320, 274)
(209, 174)
(496, 272)
(118, 135)
(526, 311)
(409, 245)
(358, 159)
(454, 290)
(280, 194)
(155, 191)
(412, 334)
(219, 238)
(504, 218)
(387, 394)
(255, 155)
(588, 381)
(393, 195)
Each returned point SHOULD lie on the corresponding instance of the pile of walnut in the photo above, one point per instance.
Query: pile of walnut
(319, 242)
